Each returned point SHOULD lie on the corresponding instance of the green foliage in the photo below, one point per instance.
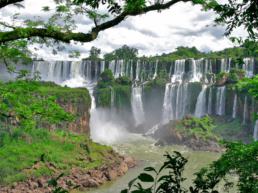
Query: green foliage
(123, 53)
(228, 130)
(239, 159)
(181, 53)
(61, 149)
(198, 127)
(249, 85)
(160, 183)
(94, 53)
(234, 14)
(22, 106)
(134, 5)
(107, 84)
(106, 79)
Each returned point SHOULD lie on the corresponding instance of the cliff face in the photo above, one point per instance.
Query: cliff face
(81, 111)
(76, 101)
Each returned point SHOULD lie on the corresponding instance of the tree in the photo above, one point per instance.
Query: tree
(94, 53)
(233, 14)
(125, 52)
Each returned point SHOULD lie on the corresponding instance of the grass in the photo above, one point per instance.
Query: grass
(22, 158)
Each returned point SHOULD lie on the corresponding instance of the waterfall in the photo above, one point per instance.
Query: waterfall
(248, 67)
(181, 100)
(175, 102)
(102, 66)
(178, 71)
(200, 108)
(137, 70)
(225, 65)
(112, 98)
(156, 70)
(112, 66)
(245, 111)
(131, 70)
(210, 101)
(234, 111)
(168, 104)
(196, 66)
(255, 134)
(221, 100)
(137, 105)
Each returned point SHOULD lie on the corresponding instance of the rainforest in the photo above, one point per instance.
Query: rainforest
(174, 118)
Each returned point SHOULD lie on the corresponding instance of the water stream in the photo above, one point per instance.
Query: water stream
(146, 154)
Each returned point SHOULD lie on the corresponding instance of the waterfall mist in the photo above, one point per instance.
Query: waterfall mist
(190, 90)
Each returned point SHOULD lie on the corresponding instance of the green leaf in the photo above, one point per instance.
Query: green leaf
(144, 177)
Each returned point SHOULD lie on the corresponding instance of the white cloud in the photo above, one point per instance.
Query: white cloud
(153, 33)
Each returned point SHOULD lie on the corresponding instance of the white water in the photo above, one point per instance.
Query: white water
(137, 105)
(178, 71)
(197, 73)
(138, 68)
(245, 111)
(210, 101)
(248, 67)
(168, 113)
(200, 108)
(156, 70)
(225, 65)
(221, 100)
(234, 111)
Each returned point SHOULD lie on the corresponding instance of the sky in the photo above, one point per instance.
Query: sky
(153, 33)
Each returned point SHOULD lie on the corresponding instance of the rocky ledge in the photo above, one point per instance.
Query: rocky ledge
(76, 179)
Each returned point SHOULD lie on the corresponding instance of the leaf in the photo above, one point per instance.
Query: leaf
(144, 177)
(131, 182)
(149, 169)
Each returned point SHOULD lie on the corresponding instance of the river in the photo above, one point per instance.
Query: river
(147, 154)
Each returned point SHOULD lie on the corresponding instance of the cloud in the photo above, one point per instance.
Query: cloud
(152, 33)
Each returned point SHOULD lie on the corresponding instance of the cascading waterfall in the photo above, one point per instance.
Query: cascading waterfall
(137, 70)
(200, 108)
(196, 70)
(137, 105)
(102, 66)
(225, 65)
(234, 111)
(210, 101)
(221, 100)
(245, 111)
(156, 70)
(179, 71)
(168, 113)
(248, 67)
(179, 98)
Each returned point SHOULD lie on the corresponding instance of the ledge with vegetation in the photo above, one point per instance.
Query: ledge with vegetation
(31, 154)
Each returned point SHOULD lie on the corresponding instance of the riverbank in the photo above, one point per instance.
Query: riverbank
(84, 163)
(44, 133)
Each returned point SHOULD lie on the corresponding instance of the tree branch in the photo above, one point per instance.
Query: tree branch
(4, 3)
(23, 33)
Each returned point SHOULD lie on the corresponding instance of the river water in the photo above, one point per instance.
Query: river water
(147, 154)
